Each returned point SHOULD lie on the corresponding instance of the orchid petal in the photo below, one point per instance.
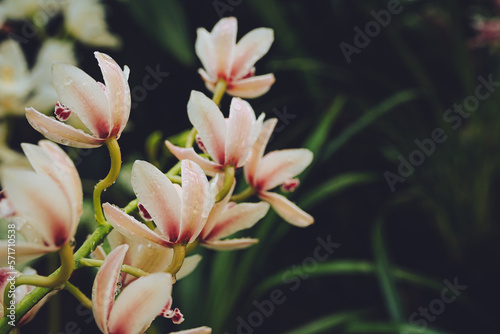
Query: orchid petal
(252, 87)
(236, 218)
(188, 153)
(287, 210)
(231, 244)
(205, 51)
(196, 201)
(25, 251)
(188, 266)
(118, 92)
(198, 330)
(104, 289)
(157, 194)
(13, 60)
(84, 96)
(146, 296)
(278, 166)
(206, 117)
(224, 41)
(239, 131)
(258, 149)
(251, 48)
(130, 227)
(60, 132)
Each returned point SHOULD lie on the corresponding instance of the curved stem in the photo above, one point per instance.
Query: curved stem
(177, 260)
(245, 194)
(228, 182)
(192, 246)
(125, 268)
(116, 162)
(190, 138)
(220, 89)
(80, 296)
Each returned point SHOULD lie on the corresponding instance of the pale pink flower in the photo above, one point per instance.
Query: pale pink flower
(146, 258)
(136, 306)
(47, 203)
(265, 172)
(179, 213)
(228, 141)
(7, 276)
(223, 59)
(487, 32)
(103, 109)
(227, 218)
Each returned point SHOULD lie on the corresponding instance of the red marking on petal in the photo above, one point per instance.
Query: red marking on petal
(250, 73)
(290, 185)
(62, 112)
(178, 317)
(144, 213)
(60, 237)
(200, 144)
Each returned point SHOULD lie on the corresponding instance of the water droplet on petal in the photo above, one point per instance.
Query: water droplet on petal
(64, 141)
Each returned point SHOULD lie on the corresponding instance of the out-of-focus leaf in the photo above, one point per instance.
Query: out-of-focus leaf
(385, 275)
(334, 186)
(305, 64)
(153, 143)
(166, 22)
(327, 323)
(369, 117)
(351, 267)
(382, 327)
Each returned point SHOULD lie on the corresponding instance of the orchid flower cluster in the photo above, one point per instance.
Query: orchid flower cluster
(193, 204)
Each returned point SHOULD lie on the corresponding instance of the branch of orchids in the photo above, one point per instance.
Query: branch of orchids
(125, 268)
(228, 182)
(116, 161)
(80, 296)
(244, 195)
(177, 260)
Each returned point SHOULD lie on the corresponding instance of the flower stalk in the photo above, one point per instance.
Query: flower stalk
(125, 268)
(228, 182)
(177, 260)
(78, 294)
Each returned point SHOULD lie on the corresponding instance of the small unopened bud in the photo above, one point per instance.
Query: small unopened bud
(62, 112)
(290, 185)
(144, 213)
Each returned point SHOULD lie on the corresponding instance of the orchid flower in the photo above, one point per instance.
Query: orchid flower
(146, 258)
(227, 218)
(86, 21)
(198, 330)
(6, 276)
(265, 172)
(179, 213)
(46, 204)
(147, 297)
(103, 109)
(21, 9)
(234, 63)
(228, 141)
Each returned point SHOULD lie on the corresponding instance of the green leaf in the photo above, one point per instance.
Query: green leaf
(166, 22)
(368, 118)
(334, 186)
(327, 323)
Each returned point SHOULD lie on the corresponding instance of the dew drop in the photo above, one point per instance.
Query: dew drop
(43, 130)
(64, 141)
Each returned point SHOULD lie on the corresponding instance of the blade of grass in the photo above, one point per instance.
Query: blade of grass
(327, 323)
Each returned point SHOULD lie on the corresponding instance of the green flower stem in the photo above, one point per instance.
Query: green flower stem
(228, 182)
(244, 195)
(116, 162)
(192, 246)
(220, 89)
(131, 206)
(38, 293)
(80, 296)
(125, 268)
(177, 260)
(190, 138)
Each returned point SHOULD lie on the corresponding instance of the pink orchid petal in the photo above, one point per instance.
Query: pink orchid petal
(39, 200)
(206, 117)
(99, 253)
(25, 251)
(278, 166)
(118, 92)
(239, 131)
(287, 210)
(213, 218)
(236, 218)
(198, 330)
(251, 48)
(84, 96)
(196, 201)
(61, 132)
(104, 288)
(205, 51)
(231, 244)
(188, 266)
(209, 81)
(224, 41)
(139, 303)
(158, 195)
(252, 87)
(258, 149)
(130, 227)
(182, 153)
